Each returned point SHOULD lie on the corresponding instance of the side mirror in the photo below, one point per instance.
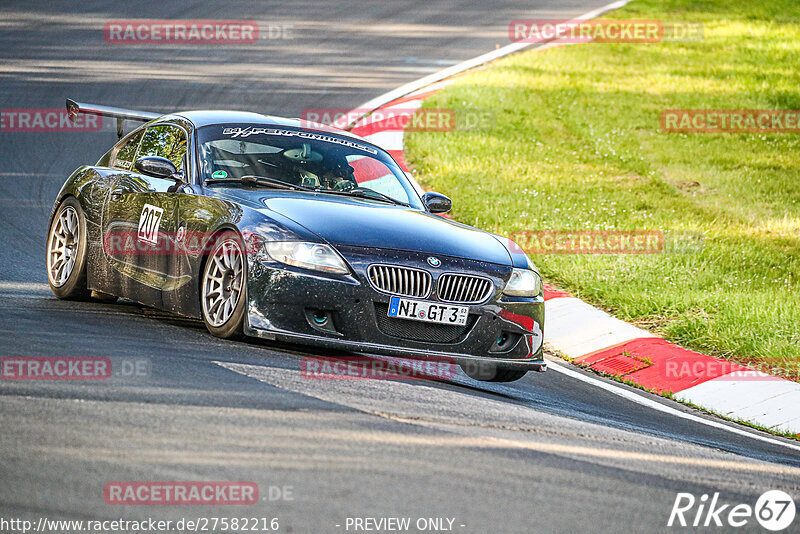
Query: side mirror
(155, 166)
(436, 202)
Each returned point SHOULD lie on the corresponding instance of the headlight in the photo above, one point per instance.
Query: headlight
(314, 256)
(523, 283)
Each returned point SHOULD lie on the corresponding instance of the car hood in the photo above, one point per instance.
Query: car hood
(365, 223)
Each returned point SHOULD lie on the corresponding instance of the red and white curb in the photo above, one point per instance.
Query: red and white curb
(591, 337)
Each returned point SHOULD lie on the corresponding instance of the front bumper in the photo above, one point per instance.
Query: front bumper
(282, 302)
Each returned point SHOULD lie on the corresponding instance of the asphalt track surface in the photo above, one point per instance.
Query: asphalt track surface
(546, 454)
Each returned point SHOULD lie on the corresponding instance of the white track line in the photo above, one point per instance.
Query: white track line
(644, 401)
(404, 90)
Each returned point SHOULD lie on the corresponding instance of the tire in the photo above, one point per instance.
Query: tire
(489, 372)
(66, 252)
(223, 287)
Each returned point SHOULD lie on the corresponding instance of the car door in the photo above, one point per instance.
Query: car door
(120, 210)
(140, 220)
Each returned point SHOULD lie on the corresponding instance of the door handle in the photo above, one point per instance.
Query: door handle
(116, 196)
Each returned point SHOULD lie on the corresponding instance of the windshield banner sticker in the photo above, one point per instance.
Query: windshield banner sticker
(248, 131)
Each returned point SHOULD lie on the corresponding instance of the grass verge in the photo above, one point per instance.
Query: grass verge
(573, 142)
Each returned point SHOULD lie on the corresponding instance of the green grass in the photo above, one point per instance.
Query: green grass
(575, 144)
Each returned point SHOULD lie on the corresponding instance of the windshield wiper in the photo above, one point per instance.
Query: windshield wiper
(366, 193)
(259, 180)
(280, 184)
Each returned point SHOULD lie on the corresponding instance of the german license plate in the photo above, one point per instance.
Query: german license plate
(428, 312)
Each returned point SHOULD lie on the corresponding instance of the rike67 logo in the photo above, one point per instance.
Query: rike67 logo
(774, 511)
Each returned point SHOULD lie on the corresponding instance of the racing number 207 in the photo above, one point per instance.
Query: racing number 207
(149, 222)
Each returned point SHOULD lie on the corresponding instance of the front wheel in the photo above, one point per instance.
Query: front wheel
(223, 287)
(490, 372)
(66, 252)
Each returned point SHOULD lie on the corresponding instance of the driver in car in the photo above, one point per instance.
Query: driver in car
(317, 170)
(340, 177)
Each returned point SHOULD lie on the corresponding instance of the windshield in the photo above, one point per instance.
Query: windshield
(317, 160)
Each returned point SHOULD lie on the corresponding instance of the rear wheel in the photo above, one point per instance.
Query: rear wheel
(222, 289)
(490, 372)
(66, 252)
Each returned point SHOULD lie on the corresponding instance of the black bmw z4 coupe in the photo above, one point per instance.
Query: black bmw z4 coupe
(289, 231)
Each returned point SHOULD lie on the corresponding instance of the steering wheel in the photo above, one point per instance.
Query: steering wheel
(346, 185)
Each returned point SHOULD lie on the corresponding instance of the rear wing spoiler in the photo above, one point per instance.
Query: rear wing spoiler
(121, 114)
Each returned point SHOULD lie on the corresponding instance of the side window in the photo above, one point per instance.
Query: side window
(124, 157)
(165, 141)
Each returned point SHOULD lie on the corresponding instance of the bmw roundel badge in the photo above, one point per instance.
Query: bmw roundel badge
(434, 262)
